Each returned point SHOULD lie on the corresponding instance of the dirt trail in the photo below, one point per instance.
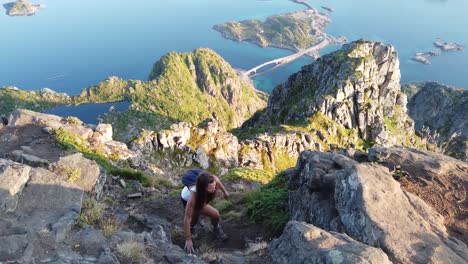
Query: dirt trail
(239, 231)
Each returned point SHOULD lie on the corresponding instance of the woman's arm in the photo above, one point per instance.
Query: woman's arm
(187, 222)
(221, 186)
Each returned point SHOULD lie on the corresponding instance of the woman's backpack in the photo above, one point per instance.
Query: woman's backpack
(190, 177)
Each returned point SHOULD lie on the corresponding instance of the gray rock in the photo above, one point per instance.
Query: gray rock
(369, 205)
(64, 225)
(432, 175)
(91, 242)
(13, 177)
(85, 172)
(33, 160)
(46, 199)
(201, 158)
(305, 243)
(12, 247)
(105, 132)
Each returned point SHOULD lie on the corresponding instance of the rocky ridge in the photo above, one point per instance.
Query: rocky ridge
(441, 109)
(186, 87)
(358, 87)
(350, 98)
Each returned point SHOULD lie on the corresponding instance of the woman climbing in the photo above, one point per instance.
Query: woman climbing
(195, 199)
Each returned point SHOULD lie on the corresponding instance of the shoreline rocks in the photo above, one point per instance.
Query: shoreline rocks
(448, 46)
(423, 57)
(22, 8)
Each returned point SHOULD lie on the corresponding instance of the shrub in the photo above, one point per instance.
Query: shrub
(91, 212)
(222, 205)
(73, 121)
(269, 205)
(132, 251)
(109, 226)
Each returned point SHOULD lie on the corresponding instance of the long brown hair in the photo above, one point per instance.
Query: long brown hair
(202, 196)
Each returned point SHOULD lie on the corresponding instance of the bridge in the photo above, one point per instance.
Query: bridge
(285, 60)
(303, 2)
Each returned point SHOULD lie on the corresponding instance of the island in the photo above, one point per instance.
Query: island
(300, 31)
(448, 46)
(22, 8)
(423, 57)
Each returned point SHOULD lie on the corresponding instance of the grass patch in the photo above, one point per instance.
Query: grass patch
(91, 212)
(269, 205)
(110, 226)
(132, 251)
(73, 121)
(248, 174)
(222, 205)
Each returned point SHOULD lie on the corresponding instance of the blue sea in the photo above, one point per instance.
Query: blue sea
(70, 45)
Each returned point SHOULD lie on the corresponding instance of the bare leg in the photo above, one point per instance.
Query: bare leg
(212, 213)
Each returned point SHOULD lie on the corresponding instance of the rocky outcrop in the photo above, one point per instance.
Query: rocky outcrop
(209, 145)
(358, 87)
(441, 109)
(40, 207)
(439, 180)
(364, 201)
(305, 243)
(183, 145)
(22, 8)
(97, 138)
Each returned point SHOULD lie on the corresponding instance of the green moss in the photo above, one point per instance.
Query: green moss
(222, 205)
(392, 125)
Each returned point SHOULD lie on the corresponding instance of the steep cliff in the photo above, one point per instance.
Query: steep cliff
(442, 109)
(357, 87)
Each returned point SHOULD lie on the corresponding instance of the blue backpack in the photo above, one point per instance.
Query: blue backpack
(190, 177)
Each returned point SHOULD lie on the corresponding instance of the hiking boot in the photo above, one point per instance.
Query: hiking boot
(219, 233)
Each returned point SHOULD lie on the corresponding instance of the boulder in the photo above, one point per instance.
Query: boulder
(439, 180)
(83, 172)
(365, 201)
(305, 243)
(13, 177)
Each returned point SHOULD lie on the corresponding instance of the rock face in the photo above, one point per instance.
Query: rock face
(46, 209)
(358, 87)
(208, 144)
(335, 193)
(22, 8)
(442, 109)
(439, 180)
(305, 243)
(83, 172)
